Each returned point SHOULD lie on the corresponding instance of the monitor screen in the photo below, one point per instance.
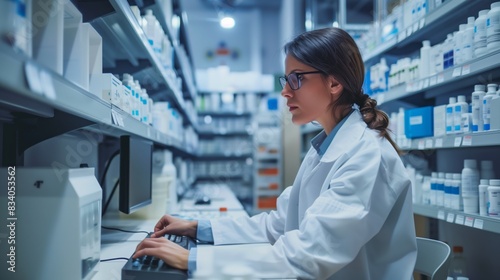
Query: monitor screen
(135, 173)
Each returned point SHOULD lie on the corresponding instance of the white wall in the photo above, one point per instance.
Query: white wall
(255, 37)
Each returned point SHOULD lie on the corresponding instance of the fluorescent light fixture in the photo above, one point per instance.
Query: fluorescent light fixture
(227, 22)
(335, 24)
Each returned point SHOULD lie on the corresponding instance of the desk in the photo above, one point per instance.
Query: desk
(116, 244)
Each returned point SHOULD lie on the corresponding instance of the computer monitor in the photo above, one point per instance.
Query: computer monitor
(135, 173)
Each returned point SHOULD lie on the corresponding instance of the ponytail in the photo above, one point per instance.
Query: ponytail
(374, 118)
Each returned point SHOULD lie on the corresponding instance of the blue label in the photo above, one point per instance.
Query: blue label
(440, 187)
(487, 126)
(488, 22)
(475, 127)
(458, 108)
(449, 110)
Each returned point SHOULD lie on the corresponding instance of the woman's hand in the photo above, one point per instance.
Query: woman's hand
(170, 252)
(172, 225)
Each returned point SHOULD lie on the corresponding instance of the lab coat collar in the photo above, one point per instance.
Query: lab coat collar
(346, 138)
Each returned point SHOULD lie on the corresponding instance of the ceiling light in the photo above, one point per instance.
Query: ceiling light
(227, 22)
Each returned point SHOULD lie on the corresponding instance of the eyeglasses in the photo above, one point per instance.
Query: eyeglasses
(293, 79)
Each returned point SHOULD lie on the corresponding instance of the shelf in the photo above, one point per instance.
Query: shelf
(434, 27)
(461, 140)
(122, 28)
(224, 156)
(219, 177)
(450, 79)
(69, 98)
(224, 114)
(221, 132)
(457, 217)
(268, 192)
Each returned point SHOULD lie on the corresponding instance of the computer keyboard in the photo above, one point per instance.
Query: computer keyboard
(152, 268)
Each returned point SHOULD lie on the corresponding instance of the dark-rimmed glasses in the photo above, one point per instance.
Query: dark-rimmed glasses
(293, 79)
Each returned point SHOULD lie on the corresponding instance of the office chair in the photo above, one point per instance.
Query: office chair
(433, 258)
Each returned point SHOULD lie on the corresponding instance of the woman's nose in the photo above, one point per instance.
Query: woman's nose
(286, 92)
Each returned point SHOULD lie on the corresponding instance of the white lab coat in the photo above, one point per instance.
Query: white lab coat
(348, 215)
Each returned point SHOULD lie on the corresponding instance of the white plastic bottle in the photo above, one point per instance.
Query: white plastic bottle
(401, 138)
(470, 186)
(149, 27)
(447, 55)
(425, 53)
(477, 108)
(450, 119)
(458, 43)
(490, 95)
(493, 27)
(128, 82)
(494, 198)
(480, 33)
(448, 188)
(483, 197)
(457, 192)
(433, 194)
(440, 189)
(460, 107)
(467, 49)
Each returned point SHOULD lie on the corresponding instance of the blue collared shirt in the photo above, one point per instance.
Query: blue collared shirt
(321, 142)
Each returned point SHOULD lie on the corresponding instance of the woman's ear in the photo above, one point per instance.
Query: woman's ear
(336, 88)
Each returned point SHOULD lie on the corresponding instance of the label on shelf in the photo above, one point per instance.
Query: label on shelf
(467, 140)
(459, 219)
(466, 69)
(426, 83)
(432, 80)
(441, 215)
(440, 78)
(421, 23)
(450, 218)
(31, 73)
(116, 118)
(408, 31)
(421, 145)
(439, 143)
(469, 221)
(458, 141)
(401, 36)
(457, 72)
(428, 144)
(415, 26)
(478, 223)
(47, 85)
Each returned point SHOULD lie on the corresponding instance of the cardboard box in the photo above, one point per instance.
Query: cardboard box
(419, 122)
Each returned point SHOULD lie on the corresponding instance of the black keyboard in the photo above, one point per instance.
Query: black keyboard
(152, 268)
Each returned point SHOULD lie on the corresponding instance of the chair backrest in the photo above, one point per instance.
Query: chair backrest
(433, 258)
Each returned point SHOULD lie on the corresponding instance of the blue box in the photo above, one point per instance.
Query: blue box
(419, 122)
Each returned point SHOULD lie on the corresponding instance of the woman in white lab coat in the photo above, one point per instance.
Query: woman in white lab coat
(348, 214)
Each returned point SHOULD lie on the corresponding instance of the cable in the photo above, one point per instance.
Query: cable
(124, 230)
(109, 198)
(115, 259)
(106, 167)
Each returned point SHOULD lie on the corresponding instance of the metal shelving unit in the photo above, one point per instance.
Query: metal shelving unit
(459, 140)
(458, 217)
(450, 79)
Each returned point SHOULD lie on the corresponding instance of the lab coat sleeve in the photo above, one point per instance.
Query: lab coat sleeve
(264, 227)
(339, 222)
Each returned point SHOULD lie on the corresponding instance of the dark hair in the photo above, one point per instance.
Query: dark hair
(334, 52)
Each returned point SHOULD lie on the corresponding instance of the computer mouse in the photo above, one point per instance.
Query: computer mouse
(204, 200)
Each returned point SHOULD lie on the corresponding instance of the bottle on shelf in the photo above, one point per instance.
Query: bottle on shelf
(480, 33)
(477, 108)
(467, 50)
(458, 265)
(450, 119)
(490, 95)
(470, 186)
(458, 43)
(487, 170)
(460, 107)
(425, 53)
(493, 27)
(483, 197)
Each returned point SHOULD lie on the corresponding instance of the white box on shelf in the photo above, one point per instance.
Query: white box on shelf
(47, 33)
(439, 120)
(76, 48)
(108, 87)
